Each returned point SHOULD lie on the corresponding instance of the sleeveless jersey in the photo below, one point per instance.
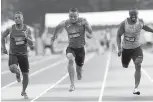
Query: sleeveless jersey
(76, 33)
(18, 42)
(132, 34)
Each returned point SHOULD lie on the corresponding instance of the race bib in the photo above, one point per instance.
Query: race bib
(131, 39)
(74, 35)
(19, 40)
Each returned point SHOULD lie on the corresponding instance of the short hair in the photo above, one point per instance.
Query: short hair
(19, 12)
(73, 10)
(134, 10)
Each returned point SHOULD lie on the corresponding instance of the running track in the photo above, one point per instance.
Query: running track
(104, 80)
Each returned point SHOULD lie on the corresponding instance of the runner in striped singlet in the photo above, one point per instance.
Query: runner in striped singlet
(75, 27)
(20, 37)
(131, 29)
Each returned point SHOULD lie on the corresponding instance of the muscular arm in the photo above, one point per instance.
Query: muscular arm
(4, 35)
(120, 32)
(147, 28)
(58, 27)
(29, 38)
(88, 29)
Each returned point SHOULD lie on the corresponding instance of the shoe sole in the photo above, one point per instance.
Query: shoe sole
(137, 93)
(25, 96)
(71, 90)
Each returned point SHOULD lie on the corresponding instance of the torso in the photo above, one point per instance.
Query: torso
(132, 34)
(76, 33)
(18, 43)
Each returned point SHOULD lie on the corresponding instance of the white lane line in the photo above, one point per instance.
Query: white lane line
(33, 63)
(59, 81)
(143, 70)
(37, 72)
(147, 75)
(105, 76)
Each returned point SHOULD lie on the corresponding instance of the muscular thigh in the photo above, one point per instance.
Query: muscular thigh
(126, 57)
(137, 56)
(23, 63)
(70, 53)
(80, 56)
(13, 60)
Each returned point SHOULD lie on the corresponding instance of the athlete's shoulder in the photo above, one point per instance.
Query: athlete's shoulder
(12, 27)
(63, 23)
(26, 28)
(83, 20)
(141, 20)
(9, 29)
(123, 22)
(126, 20)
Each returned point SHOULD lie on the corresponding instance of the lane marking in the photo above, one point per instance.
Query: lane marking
(105, 76)
(37, 72)
(33, 63)
(59, 81)
(145, 72)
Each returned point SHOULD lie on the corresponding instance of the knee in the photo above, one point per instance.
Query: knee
(25, 74)
(137, 63)
(71, 61)
(138, 67)
(70, 56)
(13, 68)
(79, 64)
(25, 77)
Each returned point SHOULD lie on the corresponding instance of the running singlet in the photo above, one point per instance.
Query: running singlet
(18, 42)
(132, 34)
(76, 32)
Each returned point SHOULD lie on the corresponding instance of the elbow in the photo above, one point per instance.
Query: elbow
(30, 42)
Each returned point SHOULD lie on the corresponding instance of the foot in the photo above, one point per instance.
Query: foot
(136, 91)
(24, 94)
(18, 78)
(72, 88)
(79, 74)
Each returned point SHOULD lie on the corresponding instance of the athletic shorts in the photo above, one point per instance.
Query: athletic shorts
(21, 60)
(128, 54)
(78, 53)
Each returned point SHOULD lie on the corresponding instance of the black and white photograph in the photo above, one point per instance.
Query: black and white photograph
(76, 51)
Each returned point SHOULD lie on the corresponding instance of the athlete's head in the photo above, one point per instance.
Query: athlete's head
(73, 15)
(18, 17)
(133, 15)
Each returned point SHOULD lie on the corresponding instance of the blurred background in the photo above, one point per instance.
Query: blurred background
(104, 16)
(103, 75)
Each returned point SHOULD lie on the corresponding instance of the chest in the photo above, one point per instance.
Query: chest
(18, 36)
(75, 28)
(133, 29)
(18, 33)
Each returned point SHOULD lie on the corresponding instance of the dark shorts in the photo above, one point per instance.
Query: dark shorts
(128, 54)
(78, 53)
(21, 60)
